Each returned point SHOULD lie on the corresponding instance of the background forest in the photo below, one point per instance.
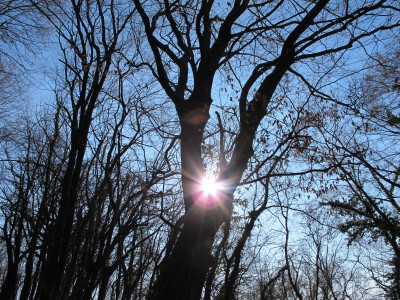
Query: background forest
(113, 113)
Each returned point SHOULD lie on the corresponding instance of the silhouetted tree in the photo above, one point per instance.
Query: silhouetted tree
(190, 42)
(370, 207)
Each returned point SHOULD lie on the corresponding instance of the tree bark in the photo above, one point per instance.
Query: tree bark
(9, 287)
(183, 273)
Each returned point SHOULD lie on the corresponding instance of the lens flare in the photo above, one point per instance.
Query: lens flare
(209, 193)
(210, 187)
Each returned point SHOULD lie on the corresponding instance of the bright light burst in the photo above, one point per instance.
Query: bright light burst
(210, 187)
(210, 193)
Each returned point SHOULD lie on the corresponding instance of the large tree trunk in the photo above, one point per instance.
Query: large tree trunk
(53, 267)
(183, 273)
(59, 236)
(9, 287)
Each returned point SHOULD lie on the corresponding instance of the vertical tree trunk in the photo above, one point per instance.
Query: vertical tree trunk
(183, 273)
(13, 247)
(9, 287)
(53, 267)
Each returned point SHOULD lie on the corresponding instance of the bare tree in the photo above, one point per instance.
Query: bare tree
(191, 41)
(32, 172)
(370, 206)
(88, 46)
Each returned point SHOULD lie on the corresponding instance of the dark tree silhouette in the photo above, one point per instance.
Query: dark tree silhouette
(191, 42)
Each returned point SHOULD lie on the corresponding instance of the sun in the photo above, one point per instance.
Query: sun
(210, 193)
(210, 187)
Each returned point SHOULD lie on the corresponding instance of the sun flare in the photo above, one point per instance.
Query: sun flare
(210, 186)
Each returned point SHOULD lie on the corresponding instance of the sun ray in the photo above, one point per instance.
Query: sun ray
(210, 187)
